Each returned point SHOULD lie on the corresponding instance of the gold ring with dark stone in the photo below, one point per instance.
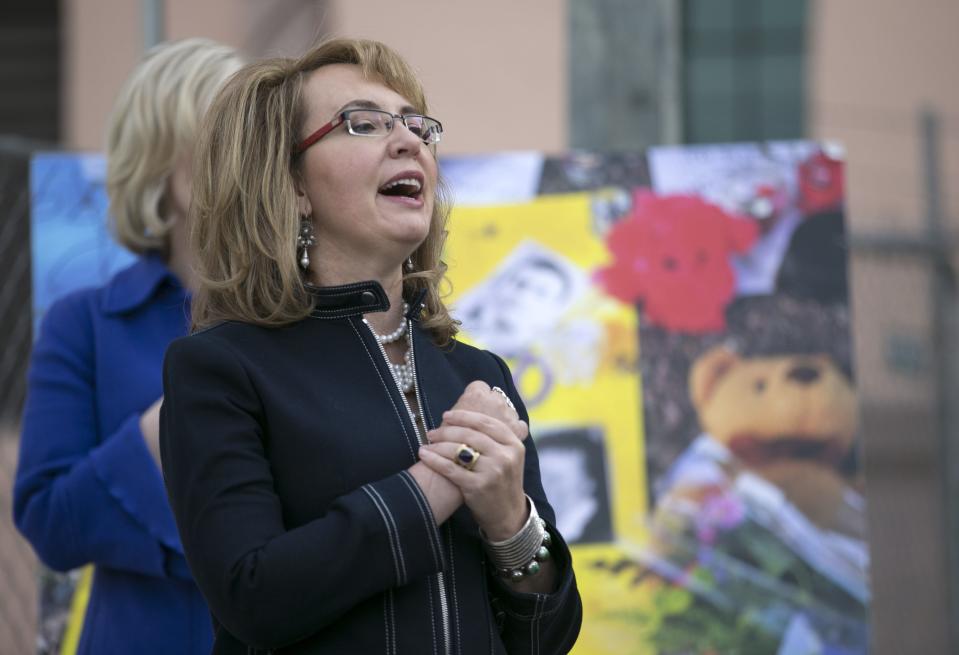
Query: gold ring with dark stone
(467, 457)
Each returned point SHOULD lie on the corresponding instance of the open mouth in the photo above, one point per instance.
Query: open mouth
(403, 187)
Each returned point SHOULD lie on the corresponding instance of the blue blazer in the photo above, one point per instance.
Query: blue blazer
(87, 490)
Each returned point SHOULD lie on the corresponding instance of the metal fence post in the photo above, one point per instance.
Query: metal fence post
(944, 326)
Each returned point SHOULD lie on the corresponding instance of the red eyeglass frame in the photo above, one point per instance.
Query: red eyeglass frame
(319, 134)
(341, 118)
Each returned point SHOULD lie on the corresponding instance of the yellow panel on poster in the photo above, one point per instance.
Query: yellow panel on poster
(522, 285)
(482, 236)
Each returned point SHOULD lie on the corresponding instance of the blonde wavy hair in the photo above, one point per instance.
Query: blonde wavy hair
(244, 217)
(153, 123)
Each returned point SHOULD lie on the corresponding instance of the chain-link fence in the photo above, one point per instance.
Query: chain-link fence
(18, 610)
(902, 454)
(15, 315)
(905, 307)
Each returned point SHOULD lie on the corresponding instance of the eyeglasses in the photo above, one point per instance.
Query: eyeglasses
(376, 122)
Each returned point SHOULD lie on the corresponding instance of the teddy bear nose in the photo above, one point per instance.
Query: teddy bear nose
(803, 374)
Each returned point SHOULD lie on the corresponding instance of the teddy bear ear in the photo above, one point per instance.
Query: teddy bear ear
(707, 371)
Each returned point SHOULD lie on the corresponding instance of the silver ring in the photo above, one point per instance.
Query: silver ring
(505, 397)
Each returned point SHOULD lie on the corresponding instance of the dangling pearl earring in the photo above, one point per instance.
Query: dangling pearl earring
(304, 241)
(409, 264)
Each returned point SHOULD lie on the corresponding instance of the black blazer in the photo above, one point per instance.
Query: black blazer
(285, 453)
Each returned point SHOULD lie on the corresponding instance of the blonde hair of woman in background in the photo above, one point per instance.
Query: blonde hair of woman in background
(88, 489)
(152, 129)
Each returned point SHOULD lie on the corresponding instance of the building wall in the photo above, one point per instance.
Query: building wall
(101, 41)
(495, 72)
(875, 66)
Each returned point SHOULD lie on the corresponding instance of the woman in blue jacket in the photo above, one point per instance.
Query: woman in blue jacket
(89, 488)
(347, 478)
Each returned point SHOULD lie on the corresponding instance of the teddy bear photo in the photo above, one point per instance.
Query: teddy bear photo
(791, 419)
(736, 262)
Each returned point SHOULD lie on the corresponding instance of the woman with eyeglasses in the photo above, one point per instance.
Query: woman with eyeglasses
(345, 476)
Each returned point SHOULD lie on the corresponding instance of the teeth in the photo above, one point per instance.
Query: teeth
(407, 181)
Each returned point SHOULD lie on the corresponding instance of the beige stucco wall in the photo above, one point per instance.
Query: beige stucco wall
(875, 65)
(101, 41)
(495, 72)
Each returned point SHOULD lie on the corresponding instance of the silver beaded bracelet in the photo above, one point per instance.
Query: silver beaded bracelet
(520, 555)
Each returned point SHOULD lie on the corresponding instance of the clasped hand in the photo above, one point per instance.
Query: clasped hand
(483, 420)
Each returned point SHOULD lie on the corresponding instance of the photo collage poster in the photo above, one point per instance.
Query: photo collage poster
(71, 243)
(707, 285)
(677, 322)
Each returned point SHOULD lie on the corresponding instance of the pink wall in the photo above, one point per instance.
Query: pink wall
(101, 42)
(495, 71)
(874, 65)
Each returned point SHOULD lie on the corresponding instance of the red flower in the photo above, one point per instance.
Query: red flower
(672, 255)
(821, 184)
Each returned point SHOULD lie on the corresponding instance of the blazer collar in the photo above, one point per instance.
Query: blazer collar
(132, 287)
(355, 299)
(348, 299)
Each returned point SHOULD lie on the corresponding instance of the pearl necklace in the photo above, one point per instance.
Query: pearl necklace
(395, 334)
(403, 373)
